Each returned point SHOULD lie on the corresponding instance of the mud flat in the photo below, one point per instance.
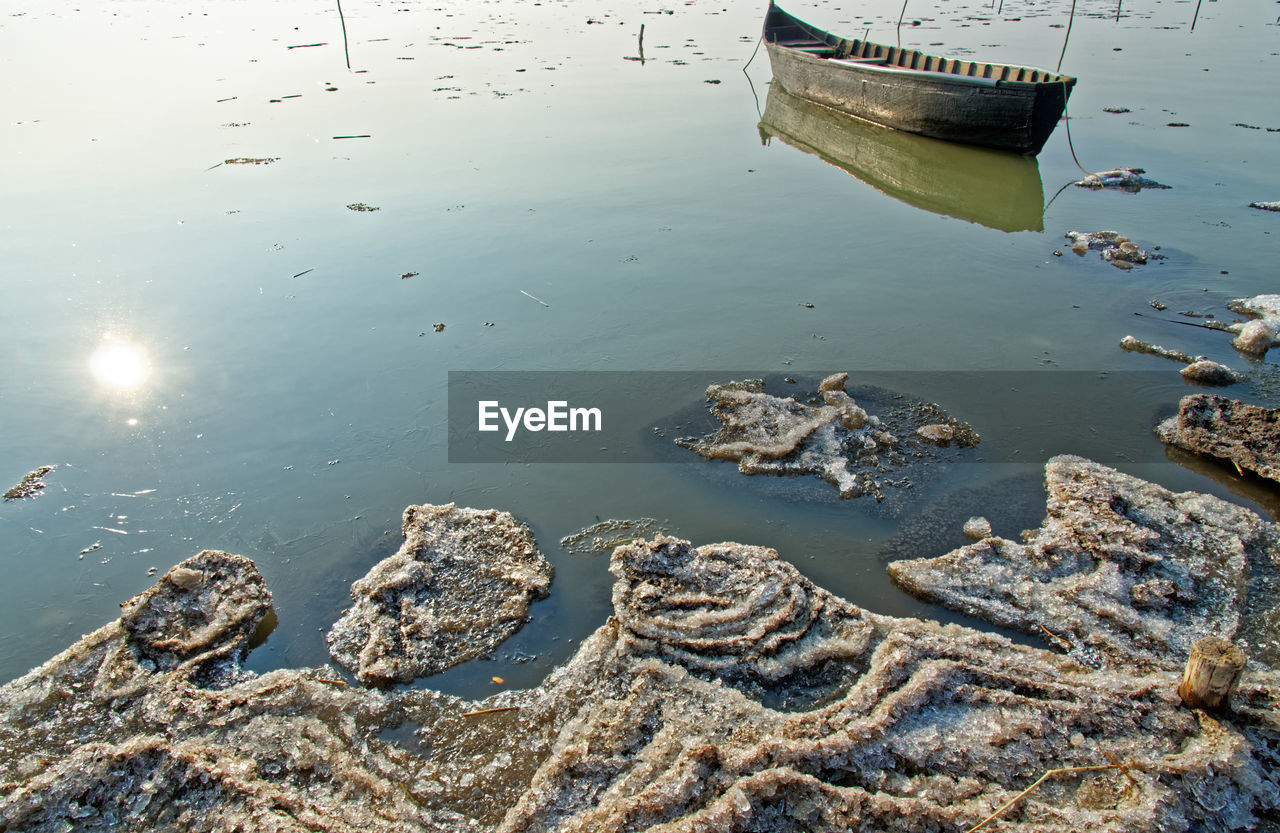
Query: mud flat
(726, 693)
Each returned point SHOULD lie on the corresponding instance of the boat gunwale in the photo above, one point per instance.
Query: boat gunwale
(861, 45)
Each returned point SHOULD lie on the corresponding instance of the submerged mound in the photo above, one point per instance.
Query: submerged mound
(1246, 435)
(458, 587)
(1121, 573)
(833, 438)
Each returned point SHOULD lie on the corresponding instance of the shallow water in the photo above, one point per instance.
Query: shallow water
(287, 393)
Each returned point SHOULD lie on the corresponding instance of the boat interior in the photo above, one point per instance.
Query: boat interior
(876, 54)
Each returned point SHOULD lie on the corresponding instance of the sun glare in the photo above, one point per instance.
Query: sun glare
(119, 365)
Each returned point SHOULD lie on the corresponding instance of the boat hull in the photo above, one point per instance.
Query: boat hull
(995, 112)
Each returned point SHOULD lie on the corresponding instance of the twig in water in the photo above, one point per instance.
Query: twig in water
(539, 300)
(1067, 770)
(490, 711)
(345, 50)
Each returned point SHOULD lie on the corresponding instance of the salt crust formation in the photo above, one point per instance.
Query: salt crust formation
(727, 693)
(834, 439)
(458, 587)
(1122, 573)
(1247, 435)
(1258, 334)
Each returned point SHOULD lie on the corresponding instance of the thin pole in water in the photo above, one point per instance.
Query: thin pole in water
(900, 17)
(1196, 16)
(1070, 20)
(345, 50)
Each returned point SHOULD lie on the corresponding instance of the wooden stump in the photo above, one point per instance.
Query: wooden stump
(1212, 671)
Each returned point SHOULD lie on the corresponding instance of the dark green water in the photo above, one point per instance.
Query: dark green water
(289, 392)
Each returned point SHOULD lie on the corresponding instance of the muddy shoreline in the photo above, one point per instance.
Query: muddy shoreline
(726, 693)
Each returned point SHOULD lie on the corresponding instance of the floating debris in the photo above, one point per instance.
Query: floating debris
(439, 328)
(408, 275)
(1133, 345)
(1266, 206)
(246, 160)
(1120, 179)
(603, 537)
(1116, 110)
(1115, 248)
(833, 439)
(359, 206)
(30, 485)
(1248, 436)
(459, 586)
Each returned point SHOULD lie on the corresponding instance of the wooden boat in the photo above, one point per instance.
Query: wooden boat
(994, 188)
(1000, 106)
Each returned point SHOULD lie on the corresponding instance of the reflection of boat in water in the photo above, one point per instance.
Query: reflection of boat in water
(997, 189)
(994, 105)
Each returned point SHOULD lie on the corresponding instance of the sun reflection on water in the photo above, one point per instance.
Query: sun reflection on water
(119, 364)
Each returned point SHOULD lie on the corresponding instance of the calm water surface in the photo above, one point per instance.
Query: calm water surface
(275, 386)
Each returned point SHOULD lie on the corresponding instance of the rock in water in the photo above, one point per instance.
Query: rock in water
(1113, 247)
(458, 587)
(1254, 337)
(977, 528)
(1124, 572)
(1247, 435)
(1210, 373)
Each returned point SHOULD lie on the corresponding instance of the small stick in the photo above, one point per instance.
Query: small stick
(356, 136)
(539, 300)
(345, 50)
(1065, 644)
(1021, 795)
(490, 711)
